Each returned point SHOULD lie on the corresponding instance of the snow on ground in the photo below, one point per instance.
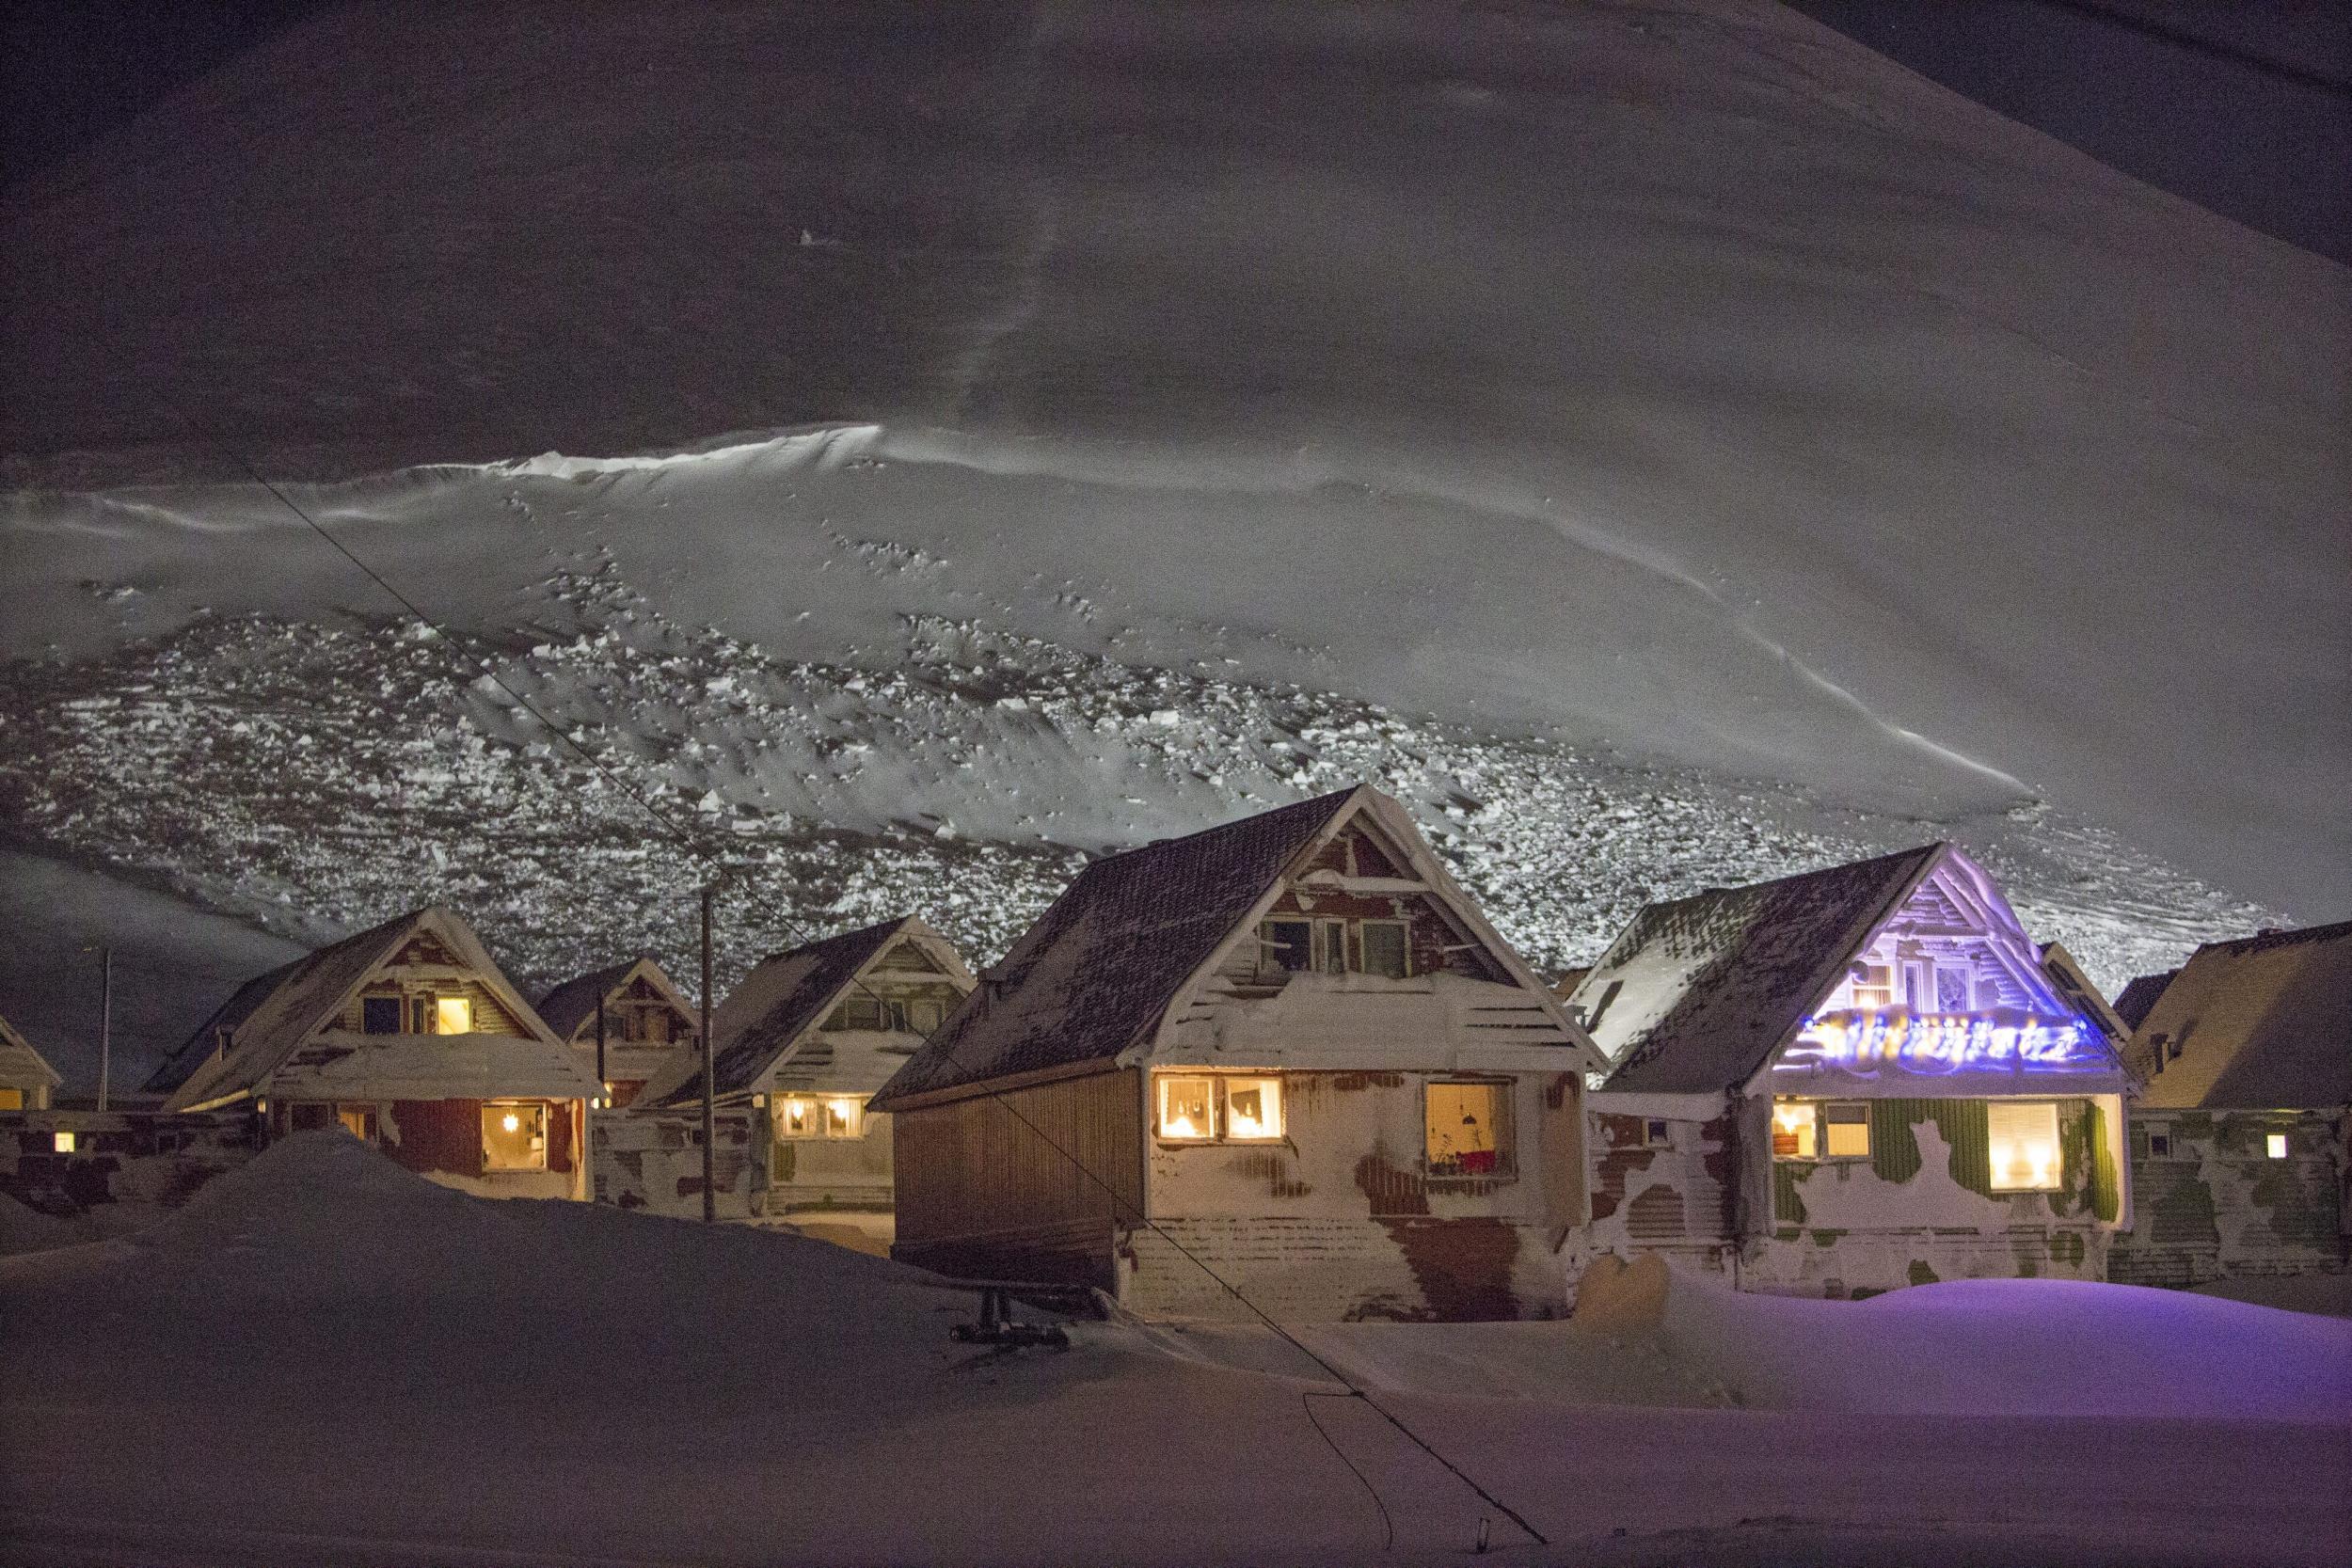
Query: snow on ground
(314, 779)
(523, 1383)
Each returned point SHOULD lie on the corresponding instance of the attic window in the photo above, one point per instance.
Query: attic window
(1467, 1130)
(1874, 987)
(453, 1015)
(514, 1135)
(379, 1015)
(1385, 950)
(861, 1011)
(1287, 945)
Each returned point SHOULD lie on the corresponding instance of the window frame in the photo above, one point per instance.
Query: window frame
(1270, 951)
(1998, 1184)
(1403, 929)
(1827, 1117)
(395, 1001)
(1220, 1130)
(1505, 1137)
(546, 1138)
(2277, 1145)
(1809, 1135)
(442, 1003)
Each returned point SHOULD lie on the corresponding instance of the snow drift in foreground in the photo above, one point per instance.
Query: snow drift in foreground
(324, 1358)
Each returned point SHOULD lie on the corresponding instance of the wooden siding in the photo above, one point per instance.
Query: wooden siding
(984, 1191)
(2215, 1205)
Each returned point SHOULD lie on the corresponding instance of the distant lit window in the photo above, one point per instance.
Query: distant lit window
(1253, 1107)
(845, 1117)
(514, 1135)
(379, 1015)
(62, 1143)
(1846, 1132)
(1795, 1130)
(453, 1015)
(12, 1100)
(2025, 1146)
(1874, 989)
(1187, 1108)
(1466, 1128)
(354, 1120)
(2275, 1145)
(1385, 951)
(796, 1118)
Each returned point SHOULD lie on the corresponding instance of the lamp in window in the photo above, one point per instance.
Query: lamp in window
(514, 1136)
(844, 1119)
(796, 1118)
(1464, 1131)
(2023, 1141)
(1187, 1108)
(1794, 1130)
(1253, 1107)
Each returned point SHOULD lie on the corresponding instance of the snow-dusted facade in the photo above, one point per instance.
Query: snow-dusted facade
(1289, 1049)
(26, 1079)
(409, 1035)
(805, 1040)
(629, 1022)
(1852, 1080)
(2239, 1141)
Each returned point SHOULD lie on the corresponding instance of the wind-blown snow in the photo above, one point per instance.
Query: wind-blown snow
(540, 1383)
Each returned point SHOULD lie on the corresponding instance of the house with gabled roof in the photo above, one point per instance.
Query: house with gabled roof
(1290, 1049)
(808, 1038)
(1851, 1080)
(629, 1022)
(26, 1079)
(409, 1037)
(2239, 1142)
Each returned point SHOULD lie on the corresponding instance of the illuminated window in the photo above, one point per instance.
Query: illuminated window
(354, 1120)
(1253, 1107)
(1874, 989)
(1794, 1130)
(1846, 1132)
(1187, 1108)
(1286, 945)
(2025, 1146)
(795, 1118)
(12, 1100)
(514, 1135)
(453, 1015)
(379, 1015)
(1385, 951)
(2275, 1145)
(1466, 1128)
(845, 1117)
(62, 1143)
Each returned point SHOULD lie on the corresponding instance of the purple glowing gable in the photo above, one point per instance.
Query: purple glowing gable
(1865, 1041)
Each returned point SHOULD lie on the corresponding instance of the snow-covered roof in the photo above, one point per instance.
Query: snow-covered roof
(1102, 964)
(2133, 1003)
(273, 1017)
(573, 1003)
(781, 1001)
(1099, 971)
(21, 1065)
(2264, 1021)
(1696, 994)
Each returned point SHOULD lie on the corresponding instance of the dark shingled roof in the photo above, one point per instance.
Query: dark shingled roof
(2262, 1023)
(1100, 967)
(1707, 987)
(779, 999)
(569, 1004)
(2133, 1003)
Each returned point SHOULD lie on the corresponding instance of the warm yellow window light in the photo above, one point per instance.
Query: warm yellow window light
(514, 1137)
(2275, 1144)
(1794, 1130)
(453, 1015)
(844, 1119)
(1187, 1108)
(796, 1118)
(1846, 1132)
(63, 1143)
(2025, 1146)
(1253, 1107)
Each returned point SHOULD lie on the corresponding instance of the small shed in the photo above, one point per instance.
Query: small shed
(1286, 1056)
(26, 1079)
(629, 1022)
(2239, 1142)
(808, 1039)
(409, 1037)
(1851, 1080)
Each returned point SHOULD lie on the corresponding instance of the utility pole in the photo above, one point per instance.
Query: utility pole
(603, 1081)
(106, 1021)
(710, 1198)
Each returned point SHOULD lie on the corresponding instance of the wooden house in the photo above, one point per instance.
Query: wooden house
(408, 1036)
(629, 1024)
(26, 1080)
(1851, 1080)
(2239, 1139)
(810, 1036)
(1290, 1049)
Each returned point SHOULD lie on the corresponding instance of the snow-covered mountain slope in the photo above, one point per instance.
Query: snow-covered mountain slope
(1674, 385)
(527, 1383)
